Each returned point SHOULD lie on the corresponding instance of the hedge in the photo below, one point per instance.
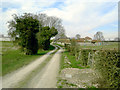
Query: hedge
(107, 62)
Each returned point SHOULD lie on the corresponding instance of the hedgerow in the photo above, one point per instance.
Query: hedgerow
(107, 62)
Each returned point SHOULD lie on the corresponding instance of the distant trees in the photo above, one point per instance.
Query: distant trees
(78, 36)
(99, 36)
(33, 31)
(117, 39)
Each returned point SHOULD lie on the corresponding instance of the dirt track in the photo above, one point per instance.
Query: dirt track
(47, 76)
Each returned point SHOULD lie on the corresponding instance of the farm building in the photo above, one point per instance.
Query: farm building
(64, 40)
(81, 40)
(4, 38)
(88, 39)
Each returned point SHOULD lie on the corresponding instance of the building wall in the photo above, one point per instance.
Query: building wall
(89, 43)
(5, 39)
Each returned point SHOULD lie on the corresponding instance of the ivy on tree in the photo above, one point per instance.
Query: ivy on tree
(24, 28)
(31, 33)
(45, 35)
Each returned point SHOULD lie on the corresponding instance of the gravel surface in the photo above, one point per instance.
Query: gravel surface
(78, 78)
(49, 77)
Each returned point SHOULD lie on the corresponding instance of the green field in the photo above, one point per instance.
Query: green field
(13, 58)
(105, 46)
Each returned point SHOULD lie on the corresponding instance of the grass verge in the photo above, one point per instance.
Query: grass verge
(69, 61)
(13, 58)
(24, 82)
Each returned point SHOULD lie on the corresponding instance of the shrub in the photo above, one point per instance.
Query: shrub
(24, 28)
(73, 47)
(106, 62)
(45, 35)
(84, 56)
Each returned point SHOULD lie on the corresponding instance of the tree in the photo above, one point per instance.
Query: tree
(78, 36)
(23, 29)
(45, 35)
(117, 39)
(73, 46)
(99, 36)
(51, 21)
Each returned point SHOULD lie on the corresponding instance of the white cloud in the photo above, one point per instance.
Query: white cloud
(79, 16)
(28, 6)
(6, 16)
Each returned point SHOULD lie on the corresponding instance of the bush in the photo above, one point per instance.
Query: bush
(44, 36)
(67, 46)
(106, 62)
(73, 47)
(84, 56)
(24, 28)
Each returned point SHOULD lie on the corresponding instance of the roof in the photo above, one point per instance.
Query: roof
(81, 40)
(88, 38)
(96, 40)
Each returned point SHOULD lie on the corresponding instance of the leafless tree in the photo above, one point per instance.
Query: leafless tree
(117, 39)
(78, 36)
(99, 36)
(52, 21)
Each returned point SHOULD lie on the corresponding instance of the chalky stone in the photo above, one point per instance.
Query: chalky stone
(68, 76)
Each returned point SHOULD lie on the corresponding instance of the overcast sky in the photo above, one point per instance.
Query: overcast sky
(84, 17)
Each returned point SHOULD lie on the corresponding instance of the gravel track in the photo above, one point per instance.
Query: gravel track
(50, 74)
(10, 80)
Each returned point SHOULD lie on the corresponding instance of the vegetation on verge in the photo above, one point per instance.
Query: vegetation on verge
(64, 82)
(13, 58)
(69, 61)
(105, 61)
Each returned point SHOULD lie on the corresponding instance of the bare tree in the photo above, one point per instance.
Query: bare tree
(117, 39)
(78, 36)
(52, 21)
(42, 18)
(99, 36)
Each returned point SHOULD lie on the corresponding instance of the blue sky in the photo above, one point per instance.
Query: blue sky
(84, 17)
